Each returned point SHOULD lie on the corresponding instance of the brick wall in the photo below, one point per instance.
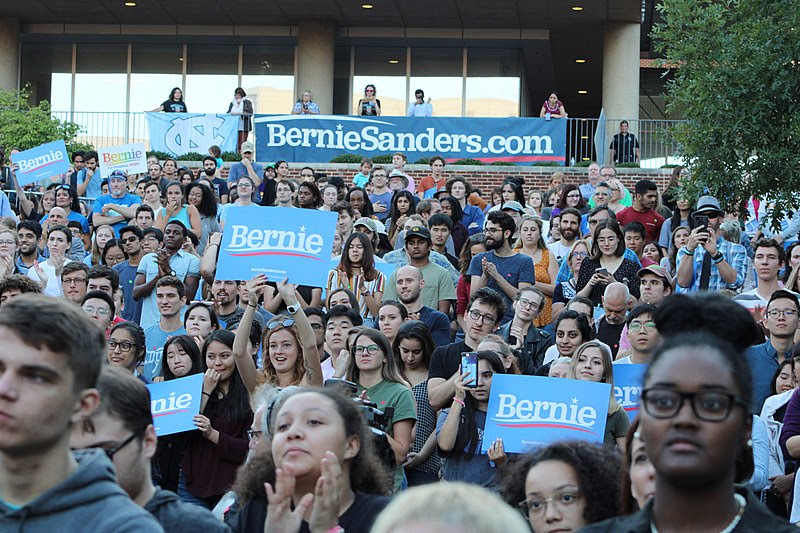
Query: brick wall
(484, 177)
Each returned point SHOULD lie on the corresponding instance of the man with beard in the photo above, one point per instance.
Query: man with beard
(131, 238)
(220, 185)
(569, 226)
(615, 304)
(439, 289)
(118, 207)
(225, 293)
(643, 210)
(29, 233)
(500, 268)
(410, 283)
(169, 260)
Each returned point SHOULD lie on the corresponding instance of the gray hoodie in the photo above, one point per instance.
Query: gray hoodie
(176, 516)
(88, 500)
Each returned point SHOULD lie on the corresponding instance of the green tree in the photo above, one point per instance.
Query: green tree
(24, 126)
(737, 83)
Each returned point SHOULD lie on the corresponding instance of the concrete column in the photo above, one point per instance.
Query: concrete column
(621, 43)
(9, 53)
(315, 46)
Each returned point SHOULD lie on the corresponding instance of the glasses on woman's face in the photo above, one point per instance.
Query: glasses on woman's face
(123, 346)
(575, 195)
(580, 255)
(709, 406)
(244, 185)
(372, 349)
(7, 243)
(564, 498)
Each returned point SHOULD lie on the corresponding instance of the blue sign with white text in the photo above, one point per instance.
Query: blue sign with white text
(174, 403)
(531, 411)
(44, 161)
(318, 138)
(181, 133)
(628, 383)
(278, 242)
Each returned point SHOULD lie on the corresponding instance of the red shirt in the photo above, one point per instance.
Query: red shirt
(651, 221)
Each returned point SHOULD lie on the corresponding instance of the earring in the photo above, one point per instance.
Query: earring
(637, 435)
(749, 443)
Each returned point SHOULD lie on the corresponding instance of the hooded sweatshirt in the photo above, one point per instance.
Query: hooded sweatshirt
(88, 500)
(176, 516)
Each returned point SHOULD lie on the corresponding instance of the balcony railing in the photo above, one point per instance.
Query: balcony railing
(656, 145)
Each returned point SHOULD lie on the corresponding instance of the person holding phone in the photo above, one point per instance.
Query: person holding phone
(606, 264)
(459, 430)
(707, 261)
(369, 105)
(305, 104)
(419, 107)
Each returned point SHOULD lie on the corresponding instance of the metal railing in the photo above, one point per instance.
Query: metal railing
(656, 145)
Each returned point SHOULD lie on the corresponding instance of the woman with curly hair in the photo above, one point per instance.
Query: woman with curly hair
(564, 486)
(320, 468)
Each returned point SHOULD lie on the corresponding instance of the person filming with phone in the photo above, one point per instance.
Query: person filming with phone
(708, 262)
(607, 263)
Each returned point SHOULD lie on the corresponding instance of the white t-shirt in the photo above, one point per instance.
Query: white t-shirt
(559, 250)
(53, 283)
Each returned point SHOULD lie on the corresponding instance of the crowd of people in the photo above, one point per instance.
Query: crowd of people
(345, 406)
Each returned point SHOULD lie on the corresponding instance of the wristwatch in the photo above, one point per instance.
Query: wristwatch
(293, 309)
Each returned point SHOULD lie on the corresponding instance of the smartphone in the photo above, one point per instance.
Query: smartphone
(701, 221)
(469, 363)
(512, 340)
(601, 270)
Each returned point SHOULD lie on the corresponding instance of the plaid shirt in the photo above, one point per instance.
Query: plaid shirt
(734, 254)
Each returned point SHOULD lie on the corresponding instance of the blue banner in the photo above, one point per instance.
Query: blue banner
(181, 133)
(531, 411)
(279, 242)
(44, 161)
(174, 403)
(318, 139)
(628, 383)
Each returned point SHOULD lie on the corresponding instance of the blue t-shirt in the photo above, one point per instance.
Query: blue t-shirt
(132, 309)
(95, 188)
(155, 339)
(360, 180)
(238, 170)
(385, 199)
(516, 269)
(475, 469)
(127, 200)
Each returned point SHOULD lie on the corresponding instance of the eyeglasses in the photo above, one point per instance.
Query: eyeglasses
(316, 326)
(132, 238)
(484, 319)
(110, 453)
(537, 506)
(244, 185)
(372, 349)
(580, 254)
(74, 281)
(289, 322)
(489, 231)
(637, 326)
(123, 346)
(524, 302)
(777, 313)
(253, 435)
(7, 243)
(102, 311)
(709, 406)
(574, 195)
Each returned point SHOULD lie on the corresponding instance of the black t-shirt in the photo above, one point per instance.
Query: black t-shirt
(357, 519)
(446, 360)
(610, 334)
(171, 106)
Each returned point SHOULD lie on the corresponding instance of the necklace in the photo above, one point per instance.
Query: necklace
(549, 107)
(740, 502)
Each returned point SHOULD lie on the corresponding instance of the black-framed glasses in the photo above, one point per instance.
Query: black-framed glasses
(123, 346)
(110, 453)
(485, 319)
(287, 323)
(372, 349)
(777, 313)
(253, 434)
(709, 406)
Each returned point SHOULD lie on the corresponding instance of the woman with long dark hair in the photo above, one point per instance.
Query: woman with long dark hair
(457, 430)
(181, 359)
(215, 452)
(459, 188)
(413, 347)
(452, 208)
(570, 196)
(474, 245)
(513, 190)
(402, 206)
(173, 104)
(606, 263)
(681, 216)
(356, 271)
(319, 465)
(205, 201)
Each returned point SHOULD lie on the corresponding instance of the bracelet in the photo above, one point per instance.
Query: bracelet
(459, 400)
(687, 251)
(719, 258)
(336, 529)
(207, 394)
(255, 306)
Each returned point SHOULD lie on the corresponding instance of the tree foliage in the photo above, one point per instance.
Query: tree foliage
(25, 126)
(737, 83)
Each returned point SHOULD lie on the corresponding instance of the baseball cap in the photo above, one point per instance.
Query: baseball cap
(247, 146)
(657, 270)
(118, 175)
(514, 205)
(381, 227)
(367, 223)
(418, 231)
